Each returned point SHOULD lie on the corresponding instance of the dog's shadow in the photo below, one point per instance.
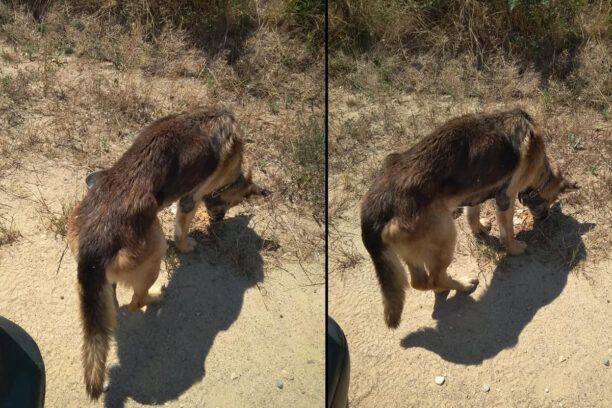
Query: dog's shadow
(162, 352)
(470, 331)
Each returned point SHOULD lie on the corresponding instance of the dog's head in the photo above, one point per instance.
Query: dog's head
(230, 195)
(539, 200)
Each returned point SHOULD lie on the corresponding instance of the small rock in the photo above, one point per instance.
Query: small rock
(486, 388)
(234, 376)
(546, 390)
(280, 384)
(440, 379)
(198, 314)
(562, 359)
(606, 361)
(105, 386)
(287, 376)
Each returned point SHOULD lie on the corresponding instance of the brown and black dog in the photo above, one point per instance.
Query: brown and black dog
(115, 233)
(407, 214)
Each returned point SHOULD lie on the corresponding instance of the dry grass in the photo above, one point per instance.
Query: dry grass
(55, 221)
(8, 233)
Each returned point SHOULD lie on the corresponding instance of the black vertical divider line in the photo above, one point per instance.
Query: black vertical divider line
(326, 130)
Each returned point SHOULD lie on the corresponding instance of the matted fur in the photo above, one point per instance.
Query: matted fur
(114, 232)
(407, 212)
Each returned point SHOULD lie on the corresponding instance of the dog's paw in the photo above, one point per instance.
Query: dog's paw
(485, 225)
(186, 246)
(482, 228)
(468, 284)
(154, 298)
(516, 247)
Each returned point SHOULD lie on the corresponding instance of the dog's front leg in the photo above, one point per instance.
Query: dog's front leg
(477, 225)
(186, 210)
(505, 215)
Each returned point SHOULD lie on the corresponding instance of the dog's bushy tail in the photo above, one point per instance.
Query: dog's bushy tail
(98, 317)
(389, 270)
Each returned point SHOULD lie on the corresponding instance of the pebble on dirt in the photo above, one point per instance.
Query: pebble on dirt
(606, 361)
(105, 386)
(440, 379)
(279, 384)
(234, 376)
(486, 388)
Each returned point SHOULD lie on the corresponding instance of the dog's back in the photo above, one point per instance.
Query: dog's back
(169, 158)
(467, 153)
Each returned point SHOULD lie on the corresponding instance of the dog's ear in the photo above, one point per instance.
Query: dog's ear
(255, 190)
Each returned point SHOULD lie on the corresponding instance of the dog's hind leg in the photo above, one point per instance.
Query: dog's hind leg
(144, 275)
(438, 258)
(477, 225)
(147, 275)
(440, 281)
(418, 276)
(186, 210)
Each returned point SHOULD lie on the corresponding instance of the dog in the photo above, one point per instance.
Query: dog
(115, 234)
(407, 213)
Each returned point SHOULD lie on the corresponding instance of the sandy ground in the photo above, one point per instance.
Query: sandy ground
(533, 331)
(536, 331)
(232, 325)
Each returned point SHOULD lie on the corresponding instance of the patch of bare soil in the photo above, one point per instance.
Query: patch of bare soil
(536, 331)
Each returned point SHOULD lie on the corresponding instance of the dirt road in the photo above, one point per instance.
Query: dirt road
(233, 328)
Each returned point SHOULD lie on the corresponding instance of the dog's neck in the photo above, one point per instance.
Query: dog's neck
(544, 178)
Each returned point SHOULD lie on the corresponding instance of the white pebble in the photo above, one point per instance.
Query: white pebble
(440, 379)
(546, 390)
(234, 376)
(105, 386)
(486, 388)
(562, 359)
(279, 384)
(606, 361)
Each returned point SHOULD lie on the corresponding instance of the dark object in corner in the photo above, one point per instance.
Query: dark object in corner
(22, 371)
(338, 366)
